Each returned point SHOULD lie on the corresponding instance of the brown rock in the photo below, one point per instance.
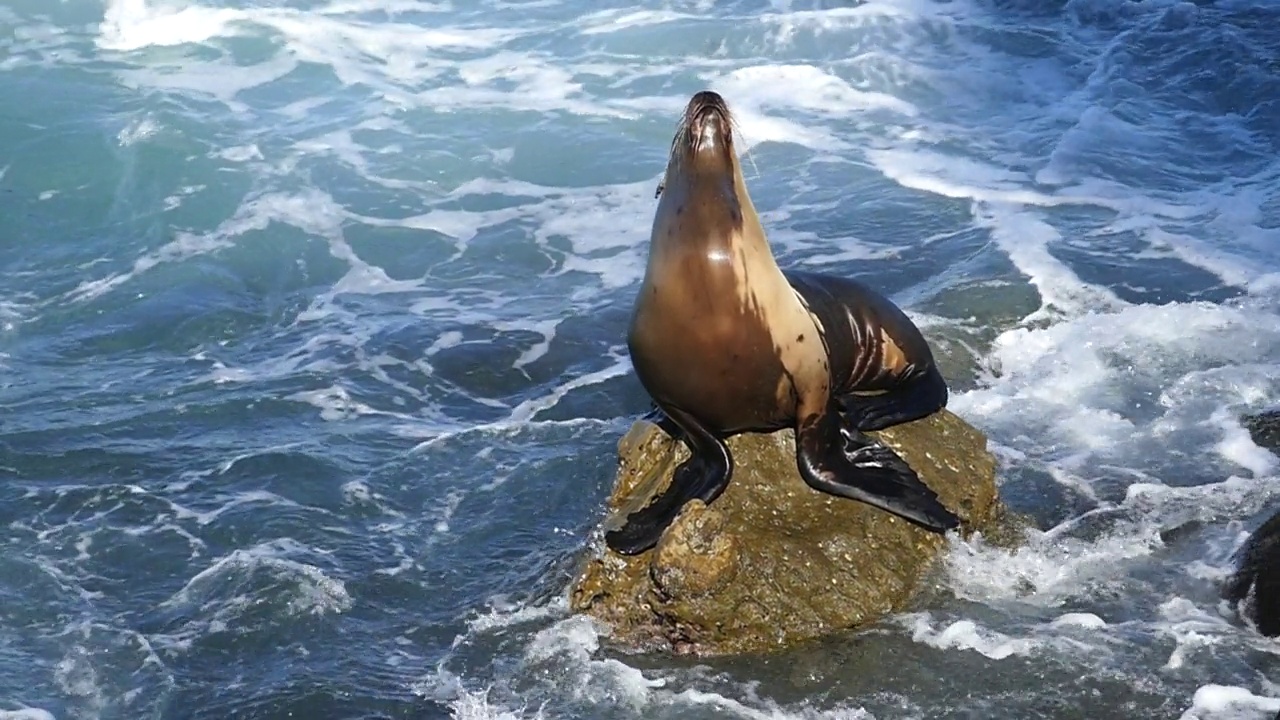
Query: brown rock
(773, 562)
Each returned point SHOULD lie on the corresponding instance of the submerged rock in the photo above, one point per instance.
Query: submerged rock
(1254, 584)
(772, 562)
(1264, 428)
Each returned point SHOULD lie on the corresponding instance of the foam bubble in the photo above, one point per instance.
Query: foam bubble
(1088, 621)
(544, 328)
(138, 131)
(504, 614)
(241, 153)
(966, 635)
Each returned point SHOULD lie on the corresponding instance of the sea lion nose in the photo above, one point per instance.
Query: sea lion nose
(707, 117)
(705, 100)
(706, 106)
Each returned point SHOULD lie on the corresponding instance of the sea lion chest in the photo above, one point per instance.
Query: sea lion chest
(703, 338)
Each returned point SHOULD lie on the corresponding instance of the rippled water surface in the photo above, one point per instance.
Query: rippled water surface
(312, 351)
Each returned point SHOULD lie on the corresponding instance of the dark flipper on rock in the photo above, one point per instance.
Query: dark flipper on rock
(1255, 583)
(668, 426)
(703, 476)
(835, 458)
(912, 400)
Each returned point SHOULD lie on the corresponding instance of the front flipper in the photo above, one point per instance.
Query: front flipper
(918, 397)
(837, 459)
(664, 423)
(703, 476)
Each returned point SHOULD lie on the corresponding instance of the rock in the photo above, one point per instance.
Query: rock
(1264, 428)
(1254, 584)
(772, 562)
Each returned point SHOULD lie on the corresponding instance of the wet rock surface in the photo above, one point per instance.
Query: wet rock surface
(772, 562)
(1264, 428)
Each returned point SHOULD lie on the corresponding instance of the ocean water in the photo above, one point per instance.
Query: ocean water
(312, 342)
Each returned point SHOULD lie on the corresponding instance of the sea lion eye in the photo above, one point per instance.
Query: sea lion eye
(661, 186)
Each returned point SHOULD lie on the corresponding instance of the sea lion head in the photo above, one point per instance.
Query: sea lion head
(703, 183)
(706, 130)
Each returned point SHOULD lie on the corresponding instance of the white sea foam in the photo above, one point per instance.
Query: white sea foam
(607, 21)
(137, 131)
(504, 613)
(475, 705)
(241, 153)
(27, 714)
(132, 24)
(1191, 628)
(1227, 702)
(1088, 389)
(311, 212)
(806, 88)
(1046, 569)
(136, 24)
(529, 409)
(79, 679)
(564, 653)
(966, 635)
(222, 586)
(333, 36)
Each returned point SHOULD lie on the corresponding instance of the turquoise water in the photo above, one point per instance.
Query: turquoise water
(312, 342)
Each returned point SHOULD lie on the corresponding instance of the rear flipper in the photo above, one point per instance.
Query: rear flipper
(703, 476)
(837, 459)
(1255, 584)
(918, 397)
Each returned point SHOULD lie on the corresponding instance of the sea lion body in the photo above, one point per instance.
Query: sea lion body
(702, 336)
(725, 341)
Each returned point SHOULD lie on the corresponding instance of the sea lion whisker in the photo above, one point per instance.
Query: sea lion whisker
(746, 152)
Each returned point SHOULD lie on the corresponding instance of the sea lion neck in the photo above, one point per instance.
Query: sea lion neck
(706, 203)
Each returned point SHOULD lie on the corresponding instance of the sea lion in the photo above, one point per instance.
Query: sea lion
(725, 342)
